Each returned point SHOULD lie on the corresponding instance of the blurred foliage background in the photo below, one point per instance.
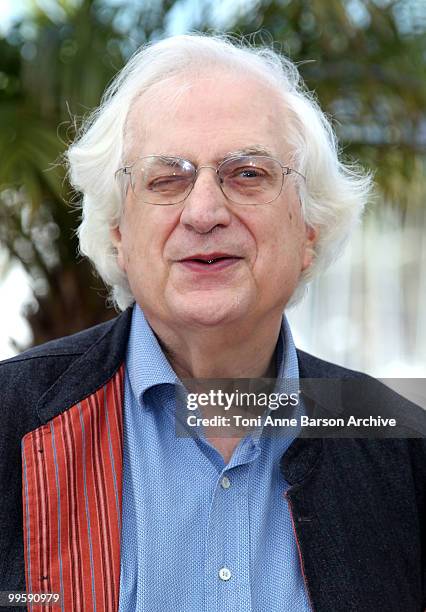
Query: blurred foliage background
(365, 59)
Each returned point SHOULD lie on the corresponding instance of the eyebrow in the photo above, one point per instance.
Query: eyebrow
(256, 149)
(251, 150)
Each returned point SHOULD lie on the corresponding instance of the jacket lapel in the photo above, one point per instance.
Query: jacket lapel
(72, 484)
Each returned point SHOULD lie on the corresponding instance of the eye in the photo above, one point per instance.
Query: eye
(249, 172)
(166, 183)
(246, 175)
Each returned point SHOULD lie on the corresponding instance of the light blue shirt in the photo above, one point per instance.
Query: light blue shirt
(192, 540)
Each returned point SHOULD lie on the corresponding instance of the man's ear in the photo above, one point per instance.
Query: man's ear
(311, 235)
(115, 235)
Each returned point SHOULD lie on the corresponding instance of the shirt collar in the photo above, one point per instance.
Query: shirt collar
(288, 366)
(148, 366)
(287, 373)
(146, 362)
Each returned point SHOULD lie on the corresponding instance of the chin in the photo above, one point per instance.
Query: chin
(209, 310)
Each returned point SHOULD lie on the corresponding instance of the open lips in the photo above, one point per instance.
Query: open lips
(209, 261)
(210, 258)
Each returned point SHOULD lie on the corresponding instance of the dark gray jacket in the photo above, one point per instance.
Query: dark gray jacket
(358, 505)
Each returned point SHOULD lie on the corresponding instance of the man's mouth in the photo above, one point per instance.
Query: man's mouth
(209, 261)
(216, 261)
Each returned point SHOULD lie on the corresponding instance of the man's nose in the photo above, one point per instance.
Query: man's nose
(206, 206)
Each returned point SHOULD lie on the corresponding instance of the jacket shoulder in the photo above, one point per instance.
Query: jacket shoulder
(74, 344)
(71, 365)
(314, 367)
(362, 396)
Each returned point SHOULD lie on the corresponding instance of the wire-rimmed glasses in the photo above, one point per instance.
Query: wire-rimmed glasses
(243, 179)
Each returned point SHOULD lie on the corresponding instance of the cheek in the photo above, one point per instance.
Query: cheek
(145, 235)
(275, 242)
(281, 248)
(132, 246)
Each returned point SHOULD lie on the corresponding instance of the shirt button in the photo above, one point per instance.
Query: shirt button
(225, 483)
(224, 573)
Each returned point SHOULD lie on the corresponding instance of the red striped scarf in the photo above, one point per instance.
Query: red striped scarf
(72, 482)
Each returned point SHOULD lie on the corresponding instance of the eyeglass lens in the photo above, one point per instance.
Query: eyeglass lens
(247, 179)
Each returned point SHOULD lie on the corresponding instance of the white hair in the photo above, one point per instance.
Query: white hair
(332, 197)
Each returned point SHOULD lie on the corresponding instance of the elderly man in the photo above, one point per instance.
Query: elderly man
(212, 192)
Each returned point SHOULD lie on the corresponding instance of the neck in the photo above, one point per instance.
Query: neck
(245, 351)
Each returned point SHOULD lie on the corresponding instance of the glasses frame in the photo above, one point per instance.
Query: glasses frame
(285, 171)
